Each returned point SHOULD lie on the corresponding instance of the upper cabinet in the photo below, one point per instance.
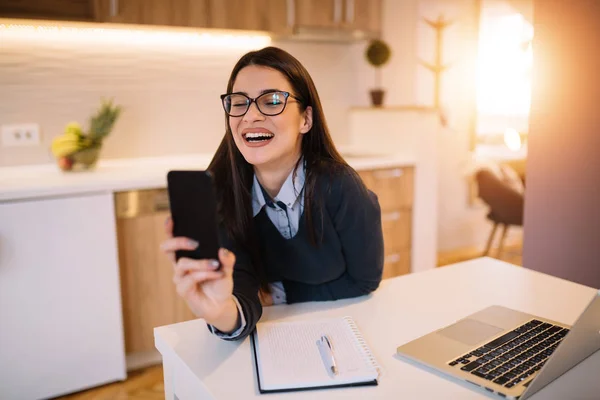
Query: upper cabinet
(261, 15)
(292, 17)
(184, 13)
(363, 16)
(73, 10)
(287, 18)
(317, 13)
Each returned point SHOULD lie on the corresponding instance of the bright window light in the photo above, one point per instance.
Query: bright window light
(512, 139)
(503, 70)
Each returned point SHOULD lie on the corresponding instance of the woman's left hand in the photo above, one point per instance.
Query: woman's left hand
(266, 299)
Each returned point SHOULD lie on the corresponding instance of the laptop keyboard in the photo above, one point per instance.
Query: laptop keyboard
(514, 356)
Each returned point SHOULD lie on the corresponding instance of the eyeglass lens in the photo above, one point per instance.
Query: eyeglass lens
(271, 103)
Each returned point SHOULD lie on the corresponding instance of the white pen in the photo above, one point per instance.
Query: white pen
(329, 347)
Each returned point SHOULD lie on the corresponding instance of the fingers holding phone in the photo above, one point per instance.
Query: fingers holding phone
(207, 268)
(205, 289)
(227, 260)
(266, 299)
(188, 273)
(175, 244)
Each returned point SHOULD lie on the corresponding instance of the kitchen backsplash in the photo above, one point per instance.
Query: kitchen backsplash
(170, 94)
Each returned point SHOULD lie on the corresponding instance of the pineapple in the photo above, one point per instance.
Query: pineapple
(102, 123)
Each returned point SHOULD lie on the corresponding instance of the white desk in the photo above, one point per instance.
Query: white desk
(198, 365)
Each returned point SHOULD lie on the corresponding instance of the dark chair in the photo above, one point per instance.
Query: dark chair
(505, 202)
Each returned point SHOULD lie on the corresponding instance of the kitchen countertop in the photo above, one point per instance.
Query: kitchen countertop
(114, 175)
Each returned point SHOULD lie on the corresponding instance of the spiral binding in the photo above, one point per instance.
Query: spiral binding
(364, 348)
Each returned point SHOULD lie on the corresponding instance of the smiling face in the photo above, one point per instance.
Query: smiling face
(269, 142)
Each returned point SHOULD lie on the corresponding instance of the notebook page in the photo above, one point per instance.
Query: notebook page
(288, 355)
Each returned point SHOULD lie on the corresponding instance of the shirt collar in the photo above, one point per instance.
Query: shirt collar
(289, 194)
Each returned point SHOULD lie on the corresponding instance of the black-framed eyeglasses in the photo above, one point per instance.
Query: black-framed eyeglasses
(269, 103)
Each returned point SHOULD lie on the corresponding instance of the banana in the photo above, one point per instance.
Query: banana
(64, 145)
(70, 141)
(73, 128)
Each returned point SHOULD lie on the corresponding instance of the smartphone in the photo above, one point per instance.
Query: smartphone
(193, 204)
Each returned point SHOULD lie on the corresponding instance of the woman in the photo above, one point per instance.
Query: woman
(297, 221)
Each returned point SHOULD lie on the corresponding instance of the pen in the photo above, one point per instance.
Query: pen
(325, 339)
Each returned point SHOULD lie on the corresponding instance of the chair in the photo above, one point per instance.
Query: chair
(505, 198)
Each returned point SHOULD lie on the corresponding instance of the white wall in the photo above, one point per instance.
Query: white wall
(398, 75)
(170, 93)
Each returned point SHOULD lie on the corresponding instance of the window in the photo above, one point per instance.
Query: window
(504, 65)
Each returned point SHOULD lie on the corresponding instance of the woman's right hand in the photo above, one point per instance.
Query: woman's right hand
(207, 292)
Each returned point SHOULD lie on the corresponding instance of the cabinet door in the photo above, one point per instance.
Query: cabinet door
(396, 226)
(262, 15)
(148, 292)
(394, 186)
(48, 9)
(394, 189)
(363, 15)
(318, 13)
(60, 304)
(396, 264)
(184, 13)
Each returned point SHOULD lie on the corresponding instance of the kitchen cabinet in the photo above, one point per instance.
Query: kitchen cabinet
(363, 15)
(81, 10)
(277, 16)
(262, 15)
(360, 15)
(283, 17)
(318, 13)
(59, 296)
(183, 13)
(148, 294)
(413, 132)
(394, 189)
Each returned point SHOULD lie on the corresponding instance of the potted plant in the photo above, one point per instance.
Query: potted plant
(76, 147)
(378, 53)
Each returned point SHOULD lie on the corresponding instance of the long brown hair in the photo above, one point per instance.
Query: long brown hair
(233, 175)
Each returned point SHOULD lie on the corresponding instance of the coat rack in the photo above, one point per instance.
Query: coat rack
(438, 67)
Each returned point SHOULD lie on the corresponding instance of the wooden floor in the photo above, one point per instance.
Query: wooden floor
(512, 254)
(147, 384)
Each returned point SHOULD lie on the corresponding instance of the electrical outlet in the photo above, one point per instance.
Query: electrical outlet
(20, 135)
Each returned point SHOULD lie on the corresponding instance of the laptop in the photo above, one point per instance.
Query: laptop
(507, 352)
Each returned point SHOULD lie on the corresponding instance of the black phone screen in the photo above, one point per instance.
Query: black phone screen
(194, 212)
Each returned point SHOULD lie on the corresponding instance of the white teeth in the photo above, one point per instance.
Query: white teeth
(258, 135)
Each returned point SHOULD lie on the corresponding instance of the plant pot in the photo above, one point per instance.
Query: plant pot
(377, 97)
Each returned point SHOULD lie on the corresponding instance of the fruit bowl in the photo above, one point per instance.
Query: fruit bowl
(76, 149)
(83, 159)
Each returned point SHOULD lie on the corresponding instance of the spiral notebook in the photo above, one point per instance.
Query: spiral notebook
(287, 355)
